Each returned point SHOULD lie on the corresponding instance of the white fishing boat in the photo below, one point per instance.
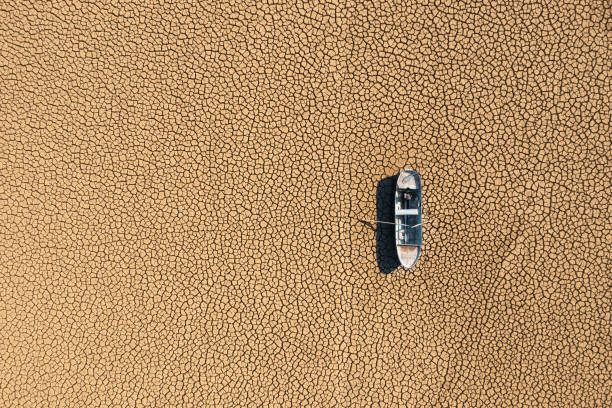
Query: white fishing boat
(408, 222)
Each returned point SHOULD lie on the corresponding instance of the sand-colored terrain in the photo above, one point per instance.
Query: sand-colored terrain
(181, 187)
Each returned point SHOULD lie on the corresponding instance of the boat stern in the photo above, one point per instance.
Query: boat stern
(408, 255)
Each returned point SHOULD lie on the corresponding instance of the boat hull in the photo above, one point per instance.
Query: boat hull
(408, 228)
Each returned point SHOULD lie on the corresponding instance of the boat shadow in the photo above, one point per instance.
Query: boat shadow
(386, 252)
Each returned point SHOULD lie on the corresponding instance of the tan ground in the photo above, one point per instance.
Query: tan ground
(180, 187)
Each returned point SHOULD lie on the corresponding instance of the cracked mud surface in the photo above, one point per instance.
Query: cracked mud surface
(180, 189)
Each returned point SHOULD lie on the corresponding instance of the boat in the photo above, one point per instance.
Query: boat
(408, 222)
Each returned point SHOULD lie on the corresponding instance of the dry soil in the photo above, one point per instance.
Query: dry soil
(181, 186)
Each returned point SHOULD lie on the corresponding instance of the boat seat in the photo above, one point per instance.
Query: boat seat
(408, 211)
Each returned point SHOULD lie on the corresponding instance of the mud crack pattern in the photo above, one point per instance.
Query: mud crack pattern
(181, 184)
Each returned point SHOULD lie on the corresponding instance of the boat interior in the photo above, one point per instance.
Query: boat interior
(408, 216)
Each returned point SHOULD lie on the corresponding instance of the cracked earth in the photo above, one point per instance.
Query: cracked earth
(181, 186)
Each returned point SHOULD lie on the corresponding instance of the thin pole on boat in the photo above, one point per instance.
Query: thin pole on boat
(392, 223)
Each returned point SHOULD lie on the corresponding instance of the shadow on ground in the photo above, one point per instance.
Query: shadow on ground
(386, 253)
